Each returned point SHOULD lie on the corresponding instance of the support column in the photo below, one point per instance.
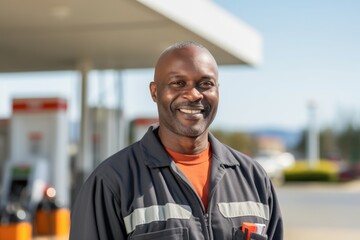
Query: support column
(313, 138)
(84, 163)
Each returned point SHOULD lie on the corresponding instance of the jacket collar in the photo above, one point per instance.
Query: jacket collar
(222, 153)
(156, 156)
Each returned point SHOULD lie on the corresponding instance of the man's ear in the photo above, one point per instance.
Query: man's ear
(153, 91)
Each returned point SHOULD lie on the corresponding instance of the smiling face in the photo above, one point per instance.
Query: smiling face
(185, 89)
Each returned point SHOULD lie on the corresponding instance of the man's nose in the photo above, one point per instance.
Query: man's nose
(193, 94)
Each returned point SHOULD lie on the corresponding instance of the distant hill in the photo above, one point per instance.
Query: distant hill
(290, 138)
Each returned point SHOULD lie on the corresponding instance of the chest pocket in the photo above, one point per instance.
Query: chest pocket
(167, 234)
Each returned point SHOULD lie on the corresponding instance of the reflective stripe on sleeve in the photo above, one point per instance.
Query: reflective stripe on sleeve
(241, 209)
(156, 213)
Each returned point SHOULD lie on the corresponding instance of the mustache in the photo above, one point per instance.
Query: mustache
(200, 105)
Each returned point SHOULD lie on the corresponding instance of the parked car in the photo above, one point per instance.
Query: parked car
(274, 163)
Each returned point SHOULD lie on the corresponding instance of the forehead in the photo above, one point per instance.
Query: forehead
(190, 57)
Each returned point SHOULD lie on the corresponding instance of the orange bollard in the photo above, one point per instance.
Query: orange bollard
(15, 223)
(16, 231)
(51, 219)
(61, 220)
(54, 222)
(42, 222)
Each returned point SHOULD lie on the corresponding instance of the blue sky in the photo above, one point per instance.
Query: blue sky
(311, 52)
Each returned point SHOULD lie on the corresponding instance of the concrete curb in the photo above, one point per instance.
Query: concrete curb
(351, 186)
(324, 233)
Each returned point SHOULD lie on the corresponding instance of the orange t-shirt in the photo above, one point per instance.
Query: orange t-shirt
(197, 169)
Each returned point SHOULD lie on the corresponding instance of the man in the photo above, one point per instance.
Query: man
(178, 181)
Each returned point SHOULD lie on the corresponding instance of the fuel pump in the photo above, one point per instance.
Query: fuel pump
(38, 158)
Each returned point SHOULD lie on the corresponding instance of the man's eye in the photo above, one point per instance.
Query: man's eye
(207, 84)
(177, 83)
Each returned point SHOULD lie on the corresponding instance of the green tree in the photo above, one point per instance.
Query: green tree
(349, 143)
(336, 142)
(328, 145)
(240, 141)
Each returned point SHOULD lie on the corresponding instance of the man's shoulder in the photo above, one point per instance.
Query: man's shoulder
(123, 155)
(116, 167)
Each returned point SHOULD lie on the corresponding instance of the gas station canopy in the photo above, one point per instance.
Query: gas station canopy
(37, 35)
(47, 35)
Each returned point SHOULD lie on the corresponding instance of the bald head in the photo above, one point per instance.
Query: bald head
(180, 45)
(180, 51)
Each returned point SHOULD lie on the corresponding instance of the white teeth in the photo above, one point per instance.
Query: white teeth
(190, 111)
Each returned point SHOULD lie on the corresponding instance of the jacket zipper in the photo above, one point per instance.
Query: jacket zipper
(206, 219)
(205, 215)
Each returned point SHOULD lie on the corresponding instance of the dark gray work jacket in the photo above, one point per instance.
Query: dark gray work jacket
(139, 193)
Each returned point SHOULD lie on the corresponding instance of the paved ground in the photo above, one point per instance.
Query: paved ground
(321, 234)
(333, 204)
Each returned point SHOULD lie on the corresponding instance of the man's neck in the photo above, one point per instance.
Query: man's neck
(184, 144)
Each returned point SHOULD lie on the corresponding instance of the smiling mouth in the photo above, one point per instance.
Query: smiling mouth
(191, 111)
